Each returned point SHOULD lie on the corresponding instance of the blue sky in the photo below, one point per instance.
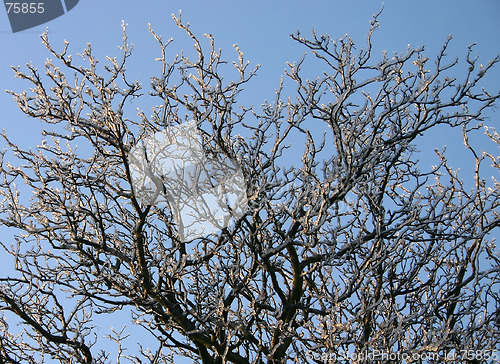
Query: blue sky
(260, 28)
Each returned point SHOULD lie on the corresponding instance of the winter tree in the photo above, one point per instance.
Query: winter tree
(347, 245)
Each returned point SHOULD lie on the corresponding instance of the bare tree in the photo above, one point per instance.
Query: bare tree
(348, 247)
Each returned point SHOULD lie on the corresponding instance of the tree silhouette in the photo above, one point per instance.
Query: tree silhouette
(348, 245)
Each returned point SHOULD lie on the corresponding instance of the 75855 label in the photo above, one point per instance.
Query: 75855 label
(471, 354)
(25, 8)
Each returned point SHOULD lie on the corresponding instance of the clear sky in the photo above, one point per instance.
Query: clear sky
(260, 28)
